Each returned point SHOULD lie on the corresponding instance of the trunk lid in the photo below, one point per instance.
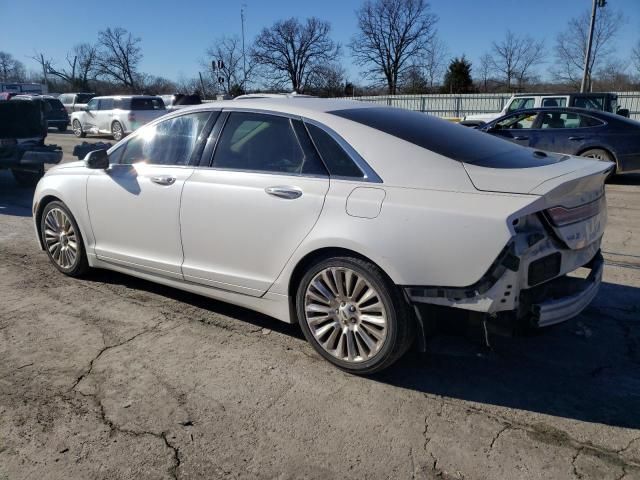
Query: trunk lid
(571, 191)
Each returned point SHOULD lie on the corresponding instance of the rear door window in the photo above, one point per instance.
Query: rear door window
(593, 103)
(106, 104)
(554, 102)
(259, 143)
(335, 158)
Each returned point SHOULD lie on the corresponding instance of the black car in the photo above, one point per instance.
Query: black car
(54, 112)
(574, 131)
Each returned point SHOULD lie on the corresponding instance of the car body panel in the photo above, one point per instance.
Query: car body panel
(431, 217)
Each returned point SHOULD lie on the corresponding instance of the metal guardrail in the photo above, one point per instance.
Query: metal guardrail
(457, 106)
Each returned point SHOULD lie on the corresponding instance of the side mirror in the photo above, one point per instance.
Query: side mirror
(98, 160)
(623, 111)
(86, 109)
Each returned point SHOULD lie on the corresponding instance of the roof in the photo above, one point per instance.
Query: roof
(564, 94)
(126, 96)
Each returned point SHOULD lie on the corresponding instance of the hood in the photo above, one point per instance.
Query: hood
(21, 119)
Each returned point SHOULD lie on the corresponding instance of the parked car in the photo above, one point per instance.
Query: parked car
(180, 100)
(575, 131)
(606, 102)
(116, 116)
(22, 148)
(74, 102)
(54, 112)
(345, 217)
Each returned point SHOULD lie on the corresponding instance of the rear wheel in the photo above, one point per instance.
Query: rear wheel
(353, 315)
(116, 131)
(62, 240)
(77, 129)
(603, 155)
(28, 178)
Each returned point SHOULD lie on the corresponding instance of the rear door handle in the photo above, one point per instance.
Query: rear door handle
(576, 139)
(163, 180)
(286, 192)
(521, 138)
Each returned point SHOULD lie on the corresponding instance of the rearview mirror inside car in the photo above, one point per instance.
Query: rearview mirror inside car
(98, 159)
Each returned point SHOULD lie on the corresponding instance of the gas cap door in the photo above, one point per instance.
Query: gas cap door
(365, 202)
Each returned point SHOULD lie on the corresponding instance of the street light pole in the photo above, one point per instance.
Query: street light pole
(244, 57)
(586, 76)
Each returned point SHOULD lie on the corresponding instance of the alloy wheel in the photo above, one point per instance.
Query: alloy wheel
(345, 314)
(116, 131)
(77, 128)
(60, 238)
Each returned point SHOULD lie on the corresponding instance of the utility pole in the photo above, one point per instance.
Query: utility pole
(202, 85)
(244, 57)
(586, 76)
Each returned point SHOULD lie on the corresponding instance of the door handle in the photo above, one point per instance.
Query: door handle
(163, 180)
(520, 138)
(289, 193)
(576, 139)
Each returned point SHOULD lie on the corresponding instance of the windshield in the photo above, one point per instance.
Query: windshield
(55, 104)
(445, 138)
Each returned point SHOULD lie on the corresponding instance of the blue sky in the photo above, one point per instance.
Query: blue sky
(175, 34)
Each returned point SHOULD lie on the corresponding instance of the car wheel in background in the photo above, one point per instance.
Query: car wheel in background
(116, 131)
(353, 315)
(62, 240)
(28, 178)
(77, 129)
(603, 155)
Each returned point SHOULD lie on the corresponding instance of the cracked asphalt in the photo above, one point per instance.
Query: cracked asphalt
(111, 377)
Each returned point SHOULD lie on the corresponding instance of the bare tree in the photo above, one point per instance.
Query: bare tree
(514, 57)
(435, 61)
(11, 70)
(291, 50)
(80, 66)
(393, 33)
(119, 56)
(327, 81)
(635, 57)
(485, 70)
(226, 55)
(571, 44)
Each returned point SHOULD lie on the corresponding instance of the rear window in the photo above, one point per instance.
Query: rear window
(55, 104)
(20, 120)
(446, 138)
(155, 103)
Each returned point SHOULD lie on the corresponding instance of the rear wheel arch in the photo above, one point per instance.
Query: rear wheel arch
(314, 257)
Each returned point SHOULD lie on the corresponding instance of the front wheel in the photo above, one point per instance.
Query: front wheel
(62, 240)
(353, 315)
(77, 129)
(603, 155)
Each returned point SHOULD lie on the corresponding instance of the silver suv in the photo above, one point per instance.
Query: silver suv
(116, 116)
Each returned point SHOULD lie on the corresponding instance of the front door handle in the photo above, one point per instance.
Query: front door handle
(289, 193)
(576, 139)
(520, 138)
(163, 180)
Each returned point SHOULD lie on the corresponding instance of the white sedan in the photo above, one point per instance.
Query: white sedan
(350, 219)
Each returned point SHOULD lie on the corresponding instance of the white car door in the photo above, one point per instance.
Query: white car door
(243, 218)
(104, 114)
(88, 117)
(134, 205)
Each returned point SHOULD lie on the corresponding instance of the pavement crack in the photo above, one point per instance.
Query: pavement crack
(577, 474)
(110, 347)
(176, 455)
(497, 435)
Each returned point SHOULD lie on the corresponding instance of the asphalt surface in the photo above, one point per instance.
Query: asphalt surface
(111, 377)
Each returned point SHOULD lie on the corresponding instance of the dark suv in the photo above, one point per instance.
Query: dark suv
(54, 112)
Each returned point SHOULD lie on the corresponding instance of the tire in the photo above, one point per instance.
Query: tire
(335, 318)
(116, 131)
(600, 154)
(60, 233)
(28, 178)
(77, 129)
(62, 128)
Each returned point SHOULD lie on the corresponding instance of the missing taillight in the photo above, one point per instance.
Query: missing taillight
(561, 216)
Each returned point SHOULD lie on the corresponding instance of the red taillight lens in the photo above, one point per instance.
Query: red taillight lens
(561, 216)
